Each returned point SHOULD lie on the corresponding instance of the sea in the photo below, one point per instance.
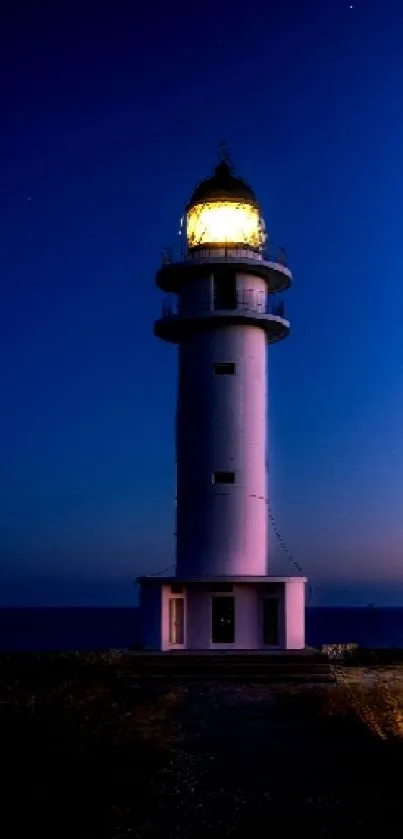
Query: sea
(63, 629)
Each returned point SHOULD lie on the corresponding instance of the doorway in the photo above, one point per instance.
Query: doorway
(270, 621)
(223, 620)
(176, 622)
(225, 296)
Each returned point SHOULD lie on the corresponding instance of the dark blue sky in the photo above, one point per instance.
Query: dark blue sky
(110, 113)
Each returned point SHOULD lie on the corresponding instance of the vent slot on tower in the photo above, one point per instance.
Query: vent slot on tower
(224, 368)
(222, 477)
(225, 289)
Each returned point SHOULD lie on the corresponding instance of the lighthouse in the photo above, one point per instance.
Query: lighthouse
(222, 311)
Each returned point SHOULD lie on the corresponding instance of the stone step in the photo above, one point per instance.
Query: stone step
(244, 676)
(172, 658)
(222, 663)
(217, 668)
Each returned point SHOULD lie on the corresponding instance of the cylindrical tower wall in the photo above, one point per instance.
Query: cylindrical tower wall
(221, 436)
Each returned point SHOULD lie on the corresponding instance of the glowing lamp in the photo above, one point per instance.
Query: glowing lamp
(223, 211)
(223, 223)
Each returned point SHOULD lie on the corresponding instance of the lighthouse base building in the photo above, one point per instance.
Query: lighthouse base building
(217, 613)
(222, 311)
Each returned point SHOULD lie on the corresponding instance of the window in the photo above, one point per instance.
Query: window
(223, 477)
(225, 289)
(223, 620)
(224, 368)
(176, 588)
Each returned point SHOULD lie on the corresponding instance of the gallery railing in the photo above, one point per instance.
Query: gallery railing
(245, 300)
(179, 253)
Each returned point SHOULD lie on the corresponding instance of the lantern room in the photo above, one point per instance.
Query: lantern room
(223, 211)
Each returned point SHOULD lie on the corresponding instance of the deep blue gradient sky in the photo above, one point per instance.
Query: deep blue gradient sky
(110, 113)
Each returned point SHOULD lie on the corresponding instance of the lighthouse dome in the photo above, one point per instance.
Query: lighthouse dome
(223, 185)
(223, 211)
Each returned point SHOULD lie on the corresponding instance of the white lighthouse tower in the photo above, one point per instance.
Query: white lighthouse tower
(222, 312)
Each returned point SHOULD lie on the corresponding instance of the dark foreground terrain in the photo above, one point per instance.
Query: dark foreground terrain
(88, 752)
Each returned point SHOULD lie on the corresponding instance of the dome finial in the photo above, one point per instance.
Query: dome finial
(224, 156)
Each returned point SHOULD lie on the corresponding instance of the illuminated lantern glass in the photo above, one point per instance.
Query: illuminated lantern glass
(224, 223)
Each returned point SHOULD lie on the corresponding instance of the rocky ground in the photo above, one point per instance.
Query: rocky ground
(87, 753)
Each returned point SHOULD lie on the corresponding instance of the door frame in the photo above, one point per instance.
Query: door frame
(220, 645)
(181, 646)
(215, 285)
(263, 598)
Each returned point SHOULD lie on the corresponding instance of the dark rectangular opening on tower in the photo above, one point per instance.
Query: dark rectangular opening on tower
(224, 368)
(223, 477)
(225, 289)
(223, 620)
